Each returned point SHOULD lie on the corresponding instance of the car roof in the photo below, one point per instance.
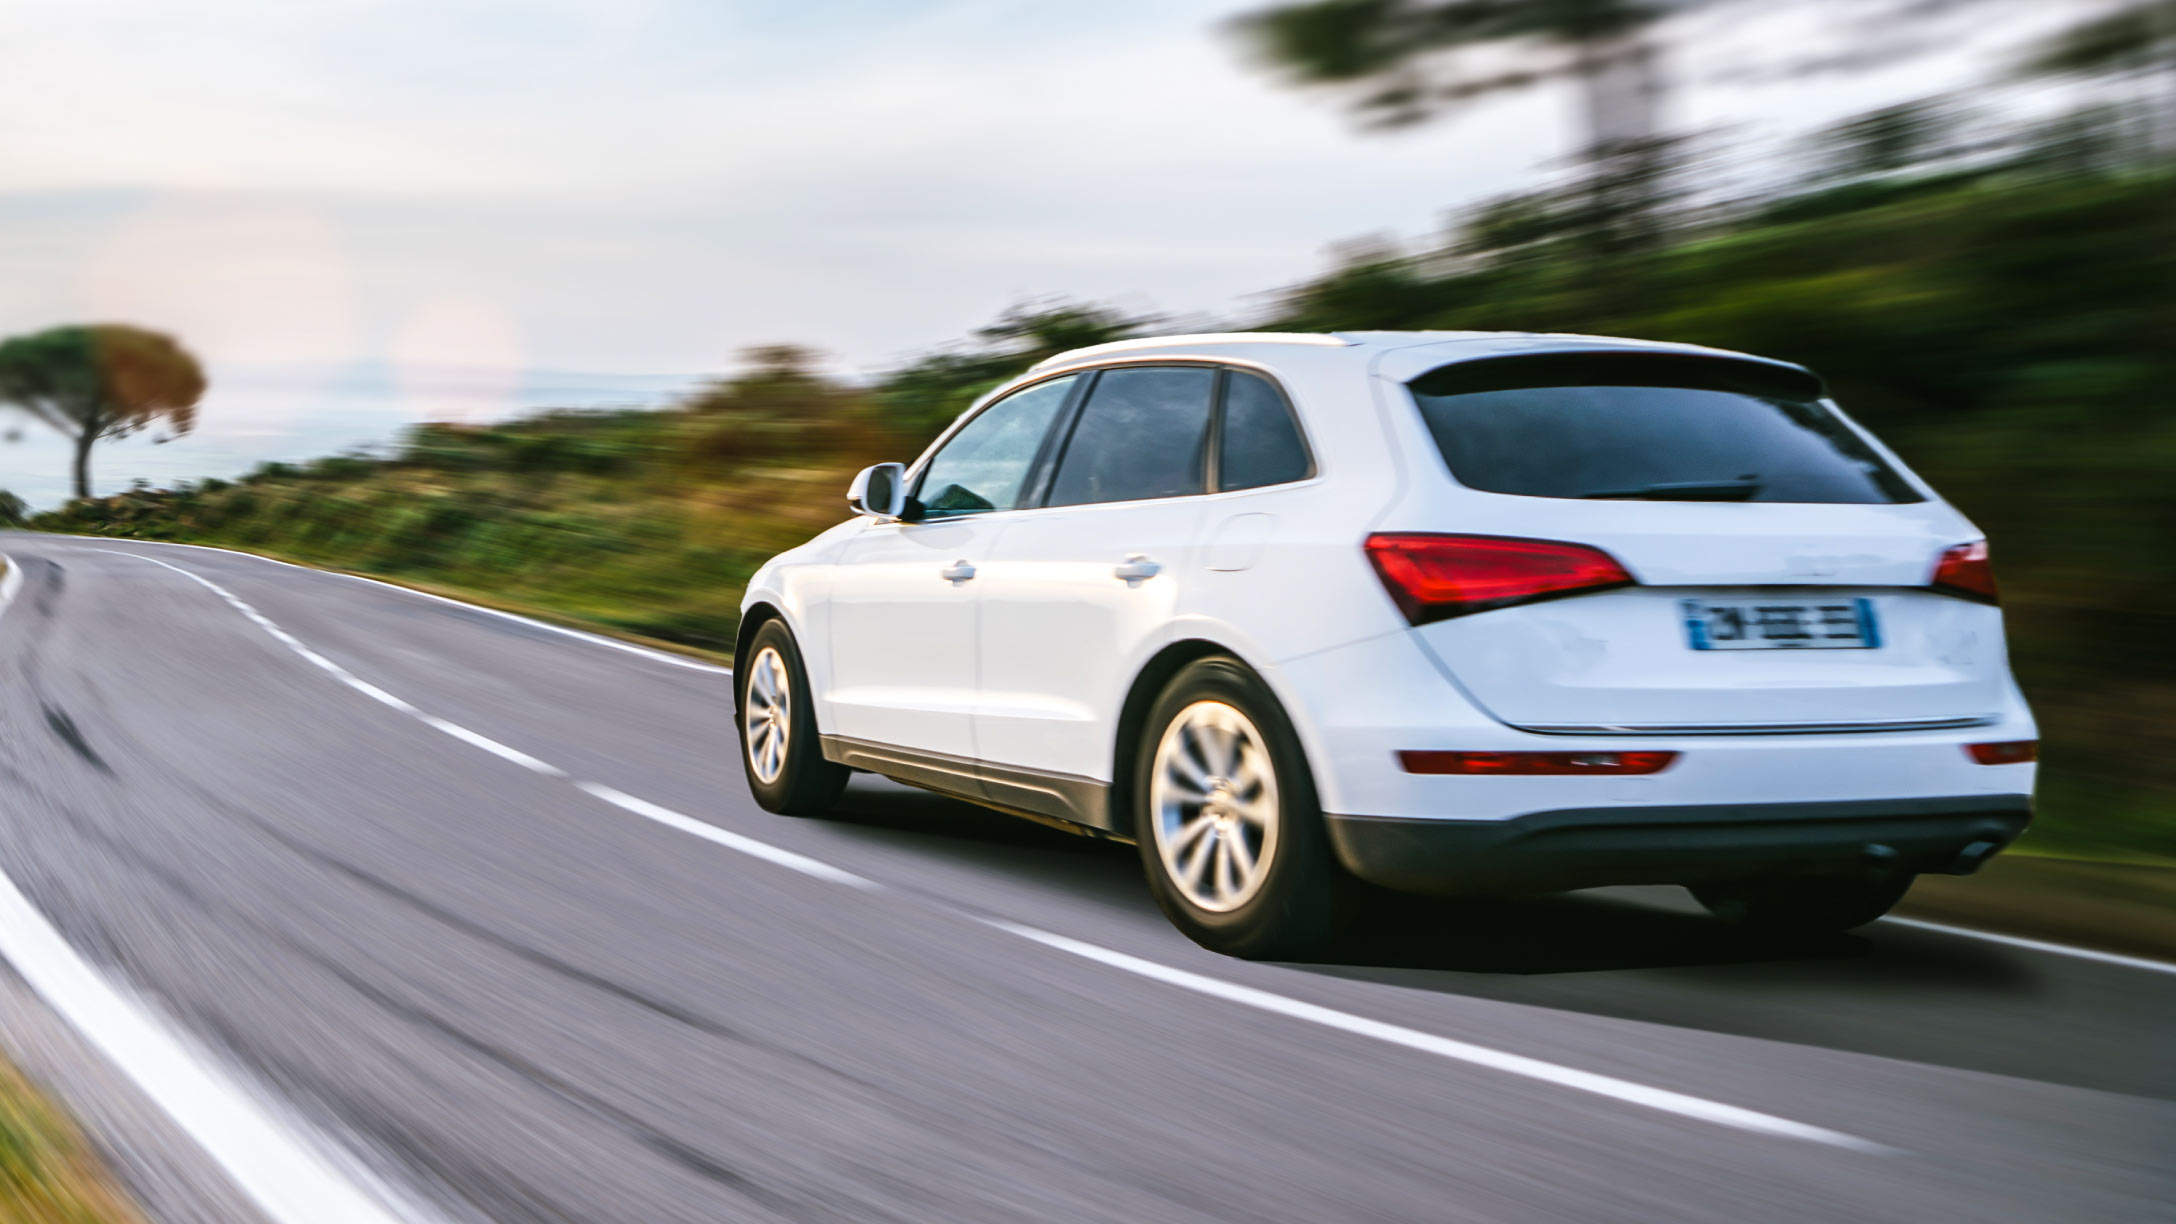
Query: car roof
(1400, 355)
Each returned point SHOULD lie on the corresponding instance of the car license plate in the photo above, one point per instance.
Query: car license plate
(1781, 624)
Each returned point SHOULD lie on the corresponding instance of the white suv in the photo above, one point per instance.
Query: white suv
(1437, 611)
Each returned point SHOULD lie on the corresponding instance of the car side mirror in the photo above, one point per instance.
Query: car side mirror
(880, 491)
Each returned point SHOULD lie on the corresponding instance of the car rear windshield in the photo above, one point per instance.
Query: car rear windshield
(1649, 427)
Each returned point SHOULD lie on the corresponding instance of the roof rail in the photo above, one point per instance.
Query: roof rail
(1147, 342)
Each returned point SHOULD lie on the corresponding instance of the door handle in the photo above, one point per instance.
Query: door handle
(1136, 568)
(958, 571)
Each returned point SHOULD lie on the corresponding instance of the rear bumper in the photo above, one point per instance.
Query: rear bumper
(1675, 844)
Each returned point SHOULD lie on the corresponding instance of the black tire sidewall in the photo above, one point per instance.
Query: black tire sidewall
(808, 782)
(1294, 913)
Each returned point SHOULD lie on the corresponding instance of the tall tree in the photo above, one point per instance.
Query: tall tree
(1890, 140)
(99, 381)
(1399, 62)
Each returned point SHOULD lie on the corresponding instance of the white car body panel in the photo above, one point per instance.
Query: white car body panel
(1057, 621)
(901, 664)
(1028, 665)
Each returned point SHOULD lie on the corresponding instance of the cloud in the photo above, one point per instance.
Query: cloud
(638, 184)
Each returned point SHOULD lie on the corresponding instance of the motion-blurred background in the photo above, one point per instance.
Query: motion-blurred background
(587, 306)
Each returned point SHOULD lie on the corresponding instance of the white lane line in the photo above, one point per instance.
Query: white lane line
(284, 1176)
(1658, 1099)
(2105, 958)
(729, 839)
(493, 746)
(349, 678)
(594, 639)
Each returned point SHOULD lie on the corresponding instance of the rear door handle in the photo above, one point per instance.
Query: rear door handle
(958, 571)
(1136, 568)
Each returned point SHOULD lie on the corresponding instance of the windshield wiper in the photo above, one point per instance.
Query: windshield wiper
(1741, 489)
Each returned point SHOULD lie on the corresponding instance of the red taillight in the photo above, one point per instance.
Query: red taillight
(1435, 576)
(1536, 762)
(1965, 570)
(2010, 752)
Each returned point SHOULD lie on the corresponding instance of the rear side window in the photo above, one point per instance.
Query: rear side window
(1649, 427)
(1259, 443)
(1143, 433)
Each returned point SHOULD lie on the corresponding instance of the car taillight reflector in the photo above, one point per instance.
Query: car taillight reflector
(1557, 763)
(1436, 576)
(2010, 752)
(1965, 570)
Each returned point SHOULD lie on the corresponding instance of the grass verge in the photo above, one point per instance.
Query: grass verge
(48, 1173)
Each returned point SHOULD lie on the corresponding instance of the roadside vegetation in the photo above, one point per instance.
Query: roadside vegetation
(47, 1172)
(644, 522)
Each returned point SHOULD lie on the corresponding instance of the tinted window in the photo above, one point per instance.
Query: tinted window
(1661, 428)
(1261, 443)
(984, 465)
(1143, 433)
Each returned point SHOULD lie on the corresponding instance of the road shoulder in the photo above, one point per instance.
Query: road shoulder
(166, 1173)
(2127, 908)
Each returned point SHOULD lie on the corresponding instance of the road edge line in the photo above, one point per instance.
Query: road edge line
(290, 1178)
(2039, 945)
(595, 639)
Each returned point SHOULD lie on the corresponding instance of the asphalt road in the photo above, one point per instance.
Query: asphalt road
(521, 1001)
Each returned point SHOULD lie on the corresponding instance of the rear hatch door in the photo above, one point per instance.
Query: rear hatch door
(1782, 557)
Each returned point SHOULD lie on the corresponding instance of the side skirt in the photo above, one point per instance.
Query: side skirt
(1063, 801)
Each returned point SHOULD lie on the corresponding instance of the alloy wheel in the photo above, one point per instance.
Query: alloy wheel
(768, 711)
(1213, 806)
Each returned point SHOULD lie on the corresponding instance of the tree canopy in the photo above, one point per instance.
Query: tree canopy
(99, 381)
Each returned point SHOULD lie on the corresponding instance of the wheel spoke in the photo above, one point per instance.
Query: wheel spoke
(1180, 791)
(1227, 757)
(1192, 870)
(1183, 768)
(1242, 854)
(1257, 811)
(1189, 831)
(1226, 885)
(1195, 740)
(1248, 775)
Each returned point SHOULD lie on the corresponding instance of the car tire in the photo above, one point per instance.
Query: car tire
(776, 724)
(1800, 905)
(1219, 782)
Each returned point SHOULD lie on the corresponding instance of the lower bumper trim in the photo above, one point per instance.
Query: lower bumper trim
(1592, 847)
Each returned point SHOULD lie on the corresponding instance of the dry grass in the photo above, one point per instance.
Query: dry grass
(48, 1173)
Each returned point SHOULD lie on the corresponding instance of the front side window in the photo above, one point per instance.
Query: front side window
(1259, 443)
(1143, 433)
(984, 466)
(1650, 428)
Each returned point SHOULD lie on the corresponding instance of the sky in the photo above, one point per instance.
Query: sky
(365, 213)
